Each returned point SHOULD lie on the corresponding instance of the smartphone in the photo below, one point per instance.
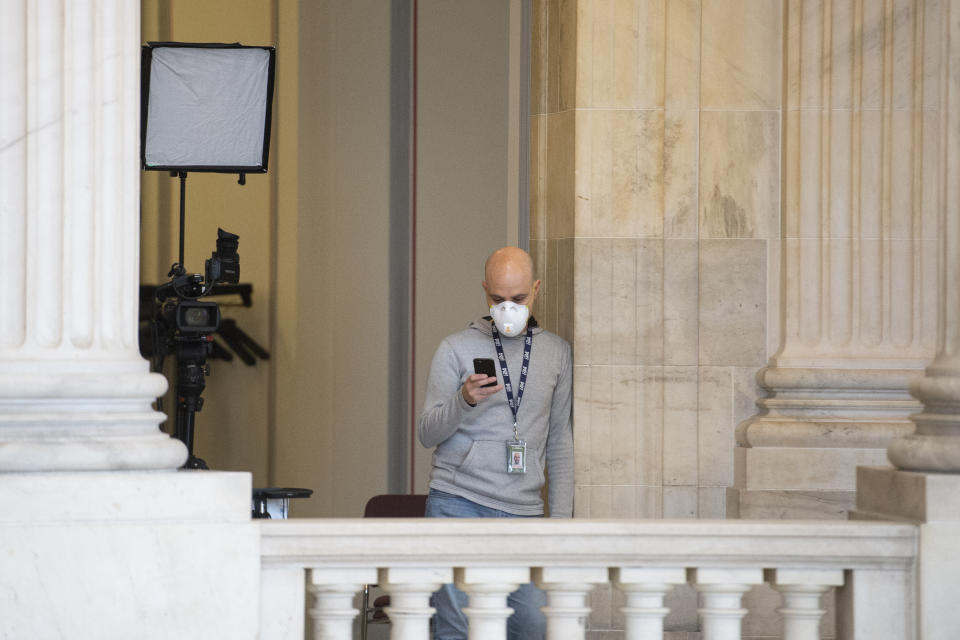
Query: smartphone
(486, 365)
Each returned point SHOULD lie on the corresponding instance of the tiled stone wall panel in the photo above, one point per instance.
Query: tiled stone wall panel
(732, 302)
(560, 175)
(649, 310)
(600, 326)
(619, 180)
(680, 302)
(715, 428)
(648, 429)
(583, 348)
(538, 176)
(775, 294)
(679, 426)
(623, 41)
(680, 173)
(625, 425)
(544, 305)
(680, 502)
(624, 282)
(739, 174)
(582, 376)
(711, 502)
(682, 55)
(743, 70)
(566, 295)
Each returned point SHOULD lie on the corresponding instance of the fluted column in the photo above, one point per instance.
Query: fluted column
(935, 446)
(74, 391)
(925, 486)
(861, 270)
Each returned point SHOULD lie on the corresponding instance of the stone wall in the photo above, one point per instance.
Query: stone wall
(655, 223)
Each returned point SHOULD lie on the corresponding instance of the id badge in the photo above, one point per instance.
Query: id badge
(516, 456)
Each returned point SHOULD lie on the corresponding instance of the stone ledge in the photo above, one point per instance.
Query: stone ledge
(796, 505)
(907, 496)
(43, 498)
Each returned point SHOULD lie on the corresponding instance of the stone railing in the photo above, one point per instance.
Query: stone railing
(871, 564)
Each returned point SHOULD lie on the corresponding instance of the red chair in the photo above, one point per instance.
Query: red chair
(388, 505)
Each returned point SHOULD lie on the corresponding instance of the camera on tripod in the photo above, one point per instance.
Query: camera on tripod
(182, 325)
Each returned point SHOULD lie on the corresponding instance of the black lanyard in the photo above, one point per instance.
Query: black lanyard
(528, 343)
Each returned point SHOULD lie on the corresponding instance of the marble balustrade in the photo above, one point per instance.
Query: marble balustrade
(871, 564)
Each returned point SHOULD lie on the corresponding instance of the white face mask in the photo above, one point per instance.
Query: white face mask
(510, 317)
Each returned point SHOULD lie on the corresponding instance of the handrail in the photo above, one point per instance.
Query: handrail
(555, 542)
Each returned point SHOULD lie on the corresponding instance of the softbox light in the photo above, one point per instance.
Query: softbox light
(206, 107)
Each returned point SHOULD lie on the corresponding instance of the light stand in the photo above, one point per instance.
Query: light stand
(205, 107)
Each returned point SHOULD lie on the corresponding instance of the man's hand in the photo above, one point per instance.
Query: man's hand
(473, 390)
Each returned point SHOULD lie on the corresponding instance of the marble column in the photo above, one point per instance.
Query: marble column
(75, 394)
(861, 269)
(935, 446)
(924, 488)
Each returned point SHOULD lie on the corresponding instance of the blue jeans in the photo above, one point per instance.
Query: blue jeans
(527, 622)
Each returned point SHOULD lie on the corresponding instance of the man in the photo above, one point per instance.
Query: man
(496, 436)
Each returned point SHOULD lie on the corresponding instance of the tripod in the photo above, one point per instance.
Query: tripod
(191, 355)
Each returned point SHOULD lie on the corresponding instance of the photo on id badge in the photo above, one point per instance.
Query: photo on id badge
(516, 456)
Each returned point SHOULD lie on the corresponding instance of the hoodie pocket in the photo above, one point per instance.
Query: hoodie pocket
(484, 472)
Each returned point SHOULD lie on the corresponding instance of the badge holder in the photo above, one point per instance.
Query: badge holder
(516, 453)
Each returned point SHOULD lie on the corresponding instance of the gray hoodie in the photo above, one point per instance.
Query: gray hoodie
(470, 459)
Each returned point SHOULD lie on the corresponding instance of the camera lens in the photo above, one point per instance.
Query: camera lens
(196, 317)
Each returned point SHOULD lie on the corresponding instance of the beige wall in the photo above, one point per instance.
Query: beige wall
(316, 238)
(463, 157)
(655, 214)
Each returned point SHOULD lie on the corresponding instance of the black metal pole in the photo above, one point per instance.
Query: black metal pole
(183, 209)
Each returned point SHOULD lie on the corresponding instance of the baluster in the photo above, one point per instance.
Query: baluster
(333, 592)
(801, 590)
(567, 589)
(410, 590)
(645, 589)
(722, 592)
(488, 589)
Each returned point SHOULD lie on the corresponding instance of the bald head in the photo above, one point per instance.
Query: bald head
(508, 275)
(508, 259)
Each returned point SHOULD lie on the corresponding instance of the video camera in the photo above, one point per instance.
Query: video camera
(182, 326)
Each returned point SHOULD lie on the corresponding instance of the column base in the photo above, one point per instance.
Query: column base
(83, 416)
(155, 452)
